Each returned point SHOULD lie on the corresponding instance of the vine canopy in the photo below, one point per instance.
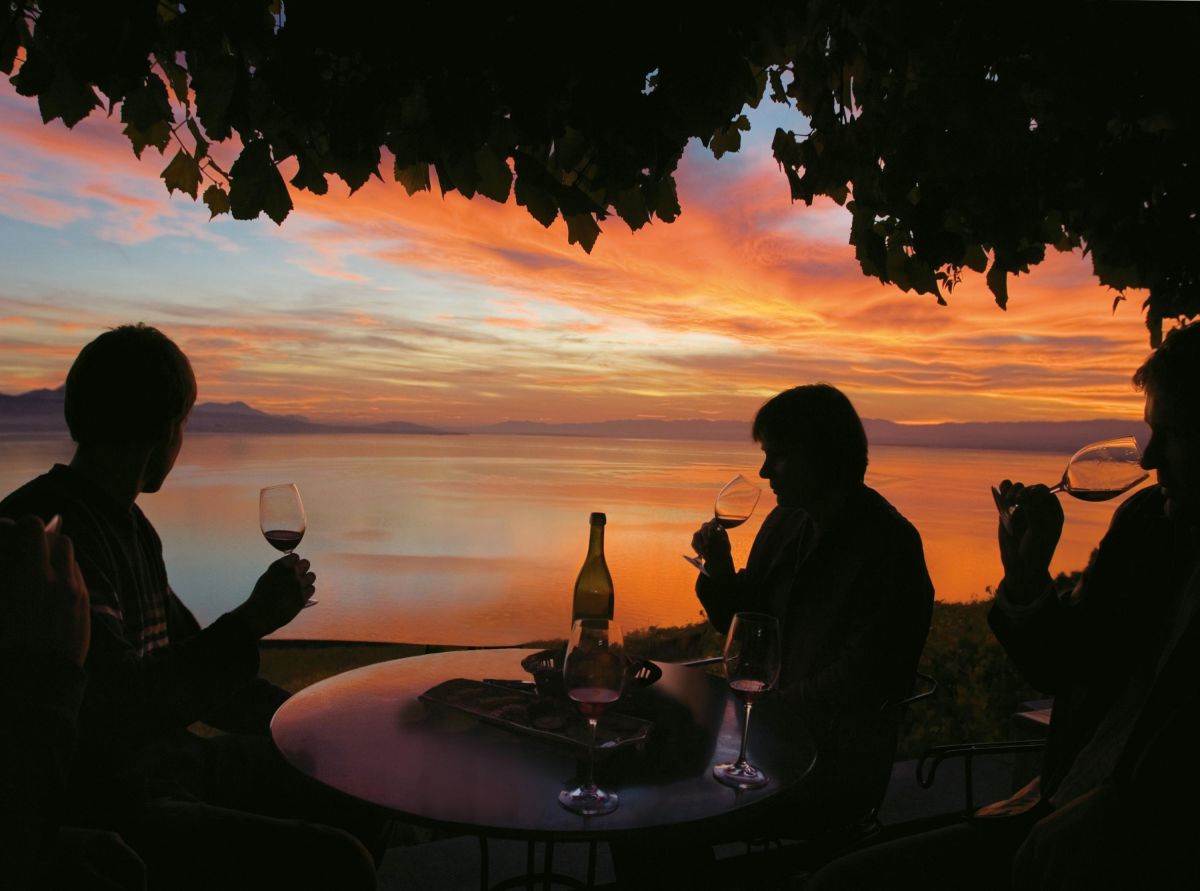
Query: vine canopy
(959, 136)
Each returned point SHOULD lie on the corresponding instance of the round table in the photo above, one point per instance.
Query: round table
(367, 734)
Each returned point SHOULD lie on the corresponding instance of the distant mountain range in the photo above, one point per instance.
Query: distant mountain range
(1027, 436)
(41, 412)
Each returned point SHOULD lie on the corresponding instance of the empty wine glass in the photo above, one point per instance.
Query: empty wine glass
(594, 676)
(734, 505)
(282, 520)
(753, 656)
(1097, 472)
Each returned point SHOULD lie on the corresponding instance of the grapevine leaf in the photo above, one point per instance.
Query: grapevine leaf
(214, 83)
(997, 282)
(356, 169)
(532, 189)
(158, 135)
(183, 173)
(729, 137)
(538, 202)
(217, 200)
(177, 77)
(256, 186)
(414, 178)
(665, 202)
(630, 205)
(583, 230)
(456, 170)
(975, 258)
(495, 177)
(147, 105)
(67, 98)
(310, 176)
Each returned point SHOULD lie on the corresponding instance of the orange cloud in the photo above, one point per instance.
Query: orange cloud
(475, 302)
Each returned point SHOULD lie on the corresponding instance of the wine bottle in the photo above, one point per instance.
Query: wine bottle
(594, 588)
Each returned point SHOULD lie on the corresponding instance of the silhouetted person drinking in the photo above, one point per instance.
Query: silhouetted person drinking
(1114, 804)
(201, 812)
(844, 573)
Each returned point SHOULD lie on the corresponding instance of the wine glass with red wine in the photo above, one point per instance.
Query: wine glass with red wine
(1097, 472)
(753, 657)
(594, 676)
(281, 518)
(734, 505)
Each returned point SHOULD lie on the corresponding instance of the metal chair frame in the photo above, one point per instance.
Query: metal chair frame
(933, 757)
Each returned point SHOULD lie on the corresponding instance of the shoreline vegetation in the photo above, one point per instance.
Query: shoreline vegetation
(979, 690)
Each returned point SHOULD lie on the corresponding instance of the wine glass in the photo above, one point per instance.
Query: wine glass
(1097, 472)
(594, 676)
(282, 520)
(734, 505)
(752, 660)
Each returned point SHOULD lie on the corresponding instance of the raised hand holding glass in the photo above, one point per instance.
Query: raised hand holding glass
(1097, 472)
(282, 519)
(734, 505)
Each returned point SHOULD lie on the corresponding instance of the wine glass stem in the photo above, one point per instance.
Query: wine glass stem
(590, 785)
(741, 759)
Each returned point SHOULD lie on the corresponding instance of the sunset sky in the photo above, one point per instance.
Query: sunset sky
(378, 306)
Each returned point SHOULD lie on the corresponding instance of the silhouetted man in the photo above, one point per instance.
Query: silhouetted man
(845, 575)
(201, 812)
(1121, 654)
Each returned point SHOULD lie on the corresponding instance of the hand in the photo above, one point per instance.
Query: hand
(1028, 540)
(711, 542)
(42, 593)
(278, 596)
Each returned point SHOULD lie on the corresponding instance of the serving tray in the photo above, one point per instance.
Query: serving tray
(523, 711)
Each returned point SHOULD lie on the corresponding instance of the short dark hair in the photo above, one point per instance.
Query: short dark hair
(820, 421)
(1172, 372)
(130, 384)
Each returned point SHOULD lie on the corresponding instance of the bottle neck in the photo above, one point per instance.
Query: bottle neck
(596, 541)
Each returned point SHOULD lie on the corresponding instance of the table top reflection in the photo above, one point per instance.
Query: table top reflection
(367, 734)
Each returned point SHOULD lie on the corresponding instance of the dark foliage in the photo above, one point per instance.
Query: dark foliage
(959, 135)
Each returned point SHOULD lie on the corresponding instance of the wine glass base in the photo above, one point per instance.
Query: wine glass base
(740, 776)
(588, 802)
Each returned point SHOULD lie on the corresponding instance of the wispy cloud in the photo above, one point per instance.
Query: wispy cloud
(380, 306)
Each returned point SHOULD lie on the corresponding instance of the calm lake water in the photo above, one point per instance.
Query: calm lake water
(477, 539)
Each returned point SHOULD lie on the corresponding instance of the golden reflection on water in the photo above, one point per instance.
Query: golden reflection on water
(477, 539)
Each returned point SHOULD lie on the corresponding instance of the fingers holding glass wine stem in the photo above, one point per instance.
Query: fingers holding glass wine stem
(711, 543)
(1031, 521)
(280, 593)
(735, 502)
